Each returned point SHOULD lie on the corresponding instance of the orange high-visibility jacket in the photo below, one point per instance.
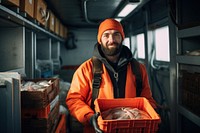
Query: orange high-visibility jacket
(80, 94)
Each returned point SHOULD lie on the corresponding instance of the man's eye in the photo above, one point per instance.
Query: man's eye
(116, 34)
(105, 35)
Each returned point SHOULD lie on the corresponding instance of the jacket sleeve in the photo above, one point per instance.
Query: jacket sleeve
(146, 91)
(79, 96)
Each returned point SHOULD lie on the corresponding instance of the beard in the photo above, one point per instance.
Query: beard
(111, 51)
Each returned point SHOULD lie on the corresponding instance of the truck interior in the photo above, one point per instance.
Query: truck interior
(161, 34)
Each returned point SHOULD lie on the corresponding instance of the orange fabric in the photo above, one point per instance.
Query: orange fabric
(80, 94)
(109, 24)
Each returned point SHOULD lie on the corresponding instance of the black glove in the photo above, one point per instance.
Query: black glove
(93, 122)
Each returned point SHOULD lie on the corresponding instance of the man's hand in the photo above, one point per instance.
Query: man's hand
(93, 122)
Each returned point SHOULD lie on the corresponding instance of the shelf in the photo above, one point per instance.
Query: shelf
(192, 60)
(189, 32)
(189, 115)
(14, 17)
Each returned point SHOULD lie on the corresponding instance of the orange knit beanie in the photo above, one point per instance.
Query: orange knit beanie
(109, 24)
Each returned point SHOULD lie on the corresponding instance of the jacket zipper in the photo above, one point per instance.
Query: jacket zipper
(116, 78)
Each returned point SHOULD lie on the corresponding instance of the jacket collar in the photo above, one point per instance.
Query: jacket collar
(124, 58)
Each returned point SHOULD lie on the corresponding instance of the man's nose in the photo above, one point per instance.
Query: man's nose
(111, 38)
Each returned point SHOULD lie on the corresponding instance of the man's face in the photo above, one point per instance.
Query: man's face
(111, 42)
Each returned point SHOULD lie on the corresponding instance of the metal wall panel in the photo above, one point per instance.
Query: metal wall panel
(10, 102)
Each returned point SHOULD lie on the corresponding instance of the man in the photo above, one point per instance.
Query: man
(118, 80)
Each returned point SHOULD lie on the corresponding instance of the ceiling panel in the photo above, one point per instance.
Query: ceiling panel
(84, 13)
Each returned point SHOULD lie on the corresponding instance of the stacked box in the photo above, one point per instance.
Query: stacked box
(40, 109)
(65, 32)
(27, 6)
(129, 125)
(57, 26)
(11, 2)
(51, 22)
(40, 12)
(61, 30)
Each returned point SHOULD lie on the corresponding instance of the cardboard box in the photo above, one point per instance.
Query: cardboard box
(57, 26)
(40, 12)
(130, 125)
(11, 2)
(51, 22)
(27, 6)
(65, 32)
(61, 30)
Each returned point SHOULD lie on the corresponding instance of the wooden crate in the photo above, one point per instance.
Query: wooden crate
(27, 6)
(40, 99)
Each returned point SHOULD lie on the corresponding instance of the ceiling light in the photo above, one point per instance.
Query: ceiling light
(127, 9)
(118, 19)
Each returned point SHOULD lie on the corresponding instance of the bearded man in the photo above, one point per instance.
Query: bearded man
(117, 81)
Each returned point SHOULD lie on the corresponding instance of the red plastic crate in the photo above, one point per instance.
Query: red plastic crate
(39, 113)
(41, 125)
(36, 113)
(130, 125)
(61, 128)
